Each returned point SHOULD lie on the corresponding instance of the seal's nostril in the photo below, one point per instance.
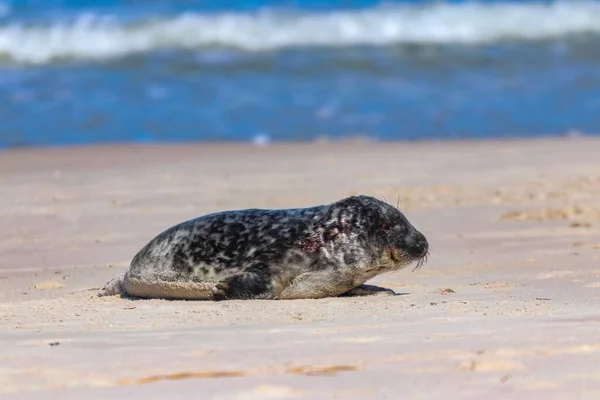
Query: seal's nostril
(416, 244)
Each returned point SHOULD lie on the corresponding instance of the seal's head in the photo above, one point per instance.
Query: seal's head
(383, 230)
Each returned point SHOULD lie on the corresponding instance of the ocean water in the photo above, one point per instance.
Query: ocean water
(98, 71)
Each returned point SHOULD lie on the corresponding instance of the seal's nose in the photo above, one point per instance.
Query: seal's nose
(416, 244)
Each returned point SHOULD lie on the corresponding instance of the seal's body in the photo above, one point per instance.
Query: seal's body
(274, 254)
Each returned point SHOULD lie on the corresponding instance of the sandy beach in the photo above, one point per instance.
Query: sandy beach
(508, 305)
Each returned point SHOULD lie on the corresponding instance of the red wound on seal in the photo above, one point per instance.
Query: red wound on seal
(311, 244)
(315, 241)
(331, 234)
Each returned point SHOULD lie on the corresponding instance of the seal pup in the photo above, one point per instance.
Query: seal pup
(315, 252)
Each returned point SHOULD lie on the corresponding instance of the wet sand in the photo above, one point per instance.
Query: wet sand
(508, 305)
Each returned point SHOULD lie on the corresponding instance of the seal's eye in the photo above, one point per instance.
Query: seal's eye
(386, 226)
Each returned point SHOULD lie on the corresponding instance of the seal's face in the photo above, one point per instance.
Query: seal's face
(392, 238)
(406, 244)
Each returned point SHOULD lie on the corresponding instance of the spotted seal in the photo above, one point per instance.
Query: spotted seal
(313, 252)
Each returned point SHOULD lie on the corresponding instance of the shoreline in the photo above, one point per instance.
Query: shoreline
(514, 228)
(146, 151)
(348, 140)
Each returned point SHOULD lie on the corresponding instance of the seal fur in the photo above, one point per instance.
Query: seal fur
(312, 252)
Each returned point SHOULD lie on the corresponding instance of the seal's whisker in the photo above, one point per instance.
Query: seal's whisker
(417, 266)
(398, 201)
(420, 263)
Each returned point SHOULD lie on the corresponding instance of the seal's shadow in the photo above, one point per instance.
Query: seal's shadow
(359, 291)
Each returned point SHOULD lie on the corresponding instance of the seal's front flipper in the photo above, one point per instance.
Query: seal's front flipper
(369, 290)
(244, 285)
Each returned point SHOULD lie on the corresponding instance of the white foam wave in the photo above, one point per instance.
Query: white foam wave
(96, 37)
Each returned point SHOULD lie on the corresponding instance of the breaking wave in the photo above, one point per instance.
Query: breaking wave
(97, 37)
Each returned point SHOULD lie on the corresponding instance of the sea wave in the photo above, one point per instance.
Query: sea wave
(97, 37)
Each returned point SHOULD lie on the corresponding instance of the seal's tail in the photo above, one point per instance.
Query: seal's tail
(114, 287)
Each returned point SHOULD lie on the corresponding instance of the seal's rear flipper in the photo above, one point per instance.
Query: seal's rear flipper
(114, 287)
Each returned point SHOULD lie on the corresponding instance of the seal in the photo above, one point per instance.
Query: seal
(315, 252)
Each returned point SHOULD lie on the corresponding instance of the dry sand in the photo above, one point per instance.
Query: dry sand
(507, 307)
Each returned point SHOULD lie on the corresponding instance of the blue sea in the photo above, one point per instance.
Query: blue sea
(116, 71)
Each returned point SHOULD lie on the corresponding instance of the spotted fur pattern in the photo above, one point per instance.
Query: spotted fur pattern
(275, 254)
